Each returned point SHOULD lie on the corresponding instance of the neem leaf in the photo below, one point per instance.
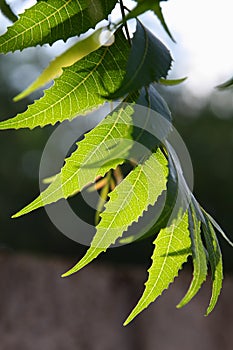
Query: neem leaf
(127, 202)
(150, 98)
(157, 223)
(69, 57)
(198, 256)
(78, 170)
(152, 124)
(149, 60)
(146, 5)
(172, 248)
(79, 89)
(49, 21)
(216, 264)
(153, 101)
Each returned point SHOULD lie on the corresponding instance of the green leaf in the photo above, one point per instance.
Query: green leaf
(127, 202)
(172, 248)
(153, 101)
(79, 89)
(68, 58)
(152, 124)
(49, 21)
(172, 82)
(227, 84)
(149, 60)
(7, 11)
(150, 98)
(178, 197)
(199, 258)
(157, 223)
(78, 170)
(146, 5)
(216, 264)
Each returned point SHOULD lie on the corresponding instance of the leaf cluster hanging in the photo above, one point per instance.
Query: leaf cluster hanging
(86, 76)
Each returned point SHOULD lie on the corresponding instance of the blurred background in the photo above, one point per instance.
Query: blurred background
(31, 246)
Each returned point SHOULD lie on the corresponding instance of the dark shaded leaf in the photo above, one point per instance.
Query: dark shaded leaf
(216, 264)
(149, 60)
(7, 11)
(198, 256)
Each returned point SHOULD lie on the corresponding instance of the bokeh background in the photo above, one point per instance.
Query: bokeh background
(33, 253)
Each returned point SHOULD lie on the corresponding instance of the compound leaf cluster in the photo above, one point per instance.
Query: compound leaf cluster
(128, 70)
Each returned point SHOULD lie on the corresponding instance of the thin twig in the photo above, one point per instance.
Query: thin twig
(125, 25)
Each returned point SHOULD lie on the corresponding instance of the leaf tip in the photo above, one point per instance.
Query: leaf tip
(18, 97)
(65, 274)
(207, 312)
(69, 272)
(128, 320)
(180, 305)
(15, 215)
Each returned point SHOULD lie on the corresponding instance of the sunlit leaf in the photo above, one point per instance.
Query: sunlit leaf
(127, 202)
(69, 57)
(49, 21)
(79, 169)
(79, 89)
(172, 248)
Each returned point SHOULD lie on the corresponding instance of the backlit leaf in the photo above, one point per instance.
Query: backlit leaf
(78, 170)
(79, 89)
(49, 21)
(172, 248)
(127, 202)
(69, 57)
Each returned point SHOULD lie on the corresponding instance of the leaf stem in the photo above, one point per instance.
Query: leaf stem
(125, 25)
